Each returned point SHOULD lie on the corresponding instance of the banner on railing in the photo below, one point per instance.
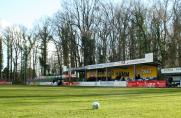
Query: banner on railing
(149, 83)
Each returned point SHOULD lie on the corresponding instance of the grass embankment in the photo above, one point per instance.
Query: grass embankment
(75, 102)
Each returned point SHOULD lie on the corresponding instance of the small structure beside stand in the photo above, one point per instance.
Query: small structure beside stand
(173, 76)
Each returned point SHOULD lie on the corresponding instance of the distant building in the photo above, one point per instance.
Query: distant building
(175, 73)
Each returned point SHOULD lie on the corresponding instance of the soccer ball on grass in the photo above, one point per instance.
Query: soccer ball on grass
(95, 105)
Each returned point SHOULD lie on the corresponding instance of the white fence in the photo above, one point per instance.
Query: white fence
(40, 83)
(104, 83)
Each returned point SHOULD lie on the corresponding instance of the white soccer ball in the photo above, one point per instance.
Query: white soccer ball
(95, 105)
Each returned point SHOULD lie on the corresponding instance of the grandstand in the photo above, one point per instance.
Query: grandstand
(119, 73)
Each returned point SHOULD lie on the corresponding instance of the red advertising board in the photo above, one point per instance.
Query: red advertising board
(156, 83)
(70, 83)
(149, 83)
(4, 82)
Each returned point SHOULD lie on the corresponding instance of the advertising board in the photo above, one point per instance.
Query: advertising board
(149, 83)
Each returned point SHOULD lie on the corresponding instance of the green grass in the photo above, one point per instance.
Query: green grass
(75, 102)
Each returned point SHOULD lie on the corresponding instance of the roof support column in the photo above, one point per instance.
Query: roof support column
(134, 70)
(85, 75)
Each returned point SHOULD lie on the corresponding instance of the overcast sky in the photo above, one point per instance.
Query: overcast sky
(26, 12)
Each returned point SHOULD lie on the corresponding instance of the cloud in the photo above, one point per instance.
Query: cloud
(4, 24)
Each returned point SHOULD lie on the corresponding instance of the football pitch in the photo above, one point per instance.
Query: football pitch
(75, 102)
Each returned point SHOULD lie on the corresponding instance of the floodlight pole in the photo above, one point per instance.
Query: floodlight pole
(106, 74)
(69, 68)
(96, 72)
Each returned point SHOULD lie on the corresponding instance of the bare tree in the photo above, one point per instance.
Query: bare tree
(26, 45)
(44, 34)
(8, 39)
(83, 13)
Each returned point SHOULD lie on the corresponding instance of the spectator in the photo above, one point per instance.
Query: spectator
(170, 80)
(60, 82)
(123, 79)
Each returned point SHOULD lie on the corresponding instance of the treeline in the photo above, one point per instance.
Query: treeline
(93, 31)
